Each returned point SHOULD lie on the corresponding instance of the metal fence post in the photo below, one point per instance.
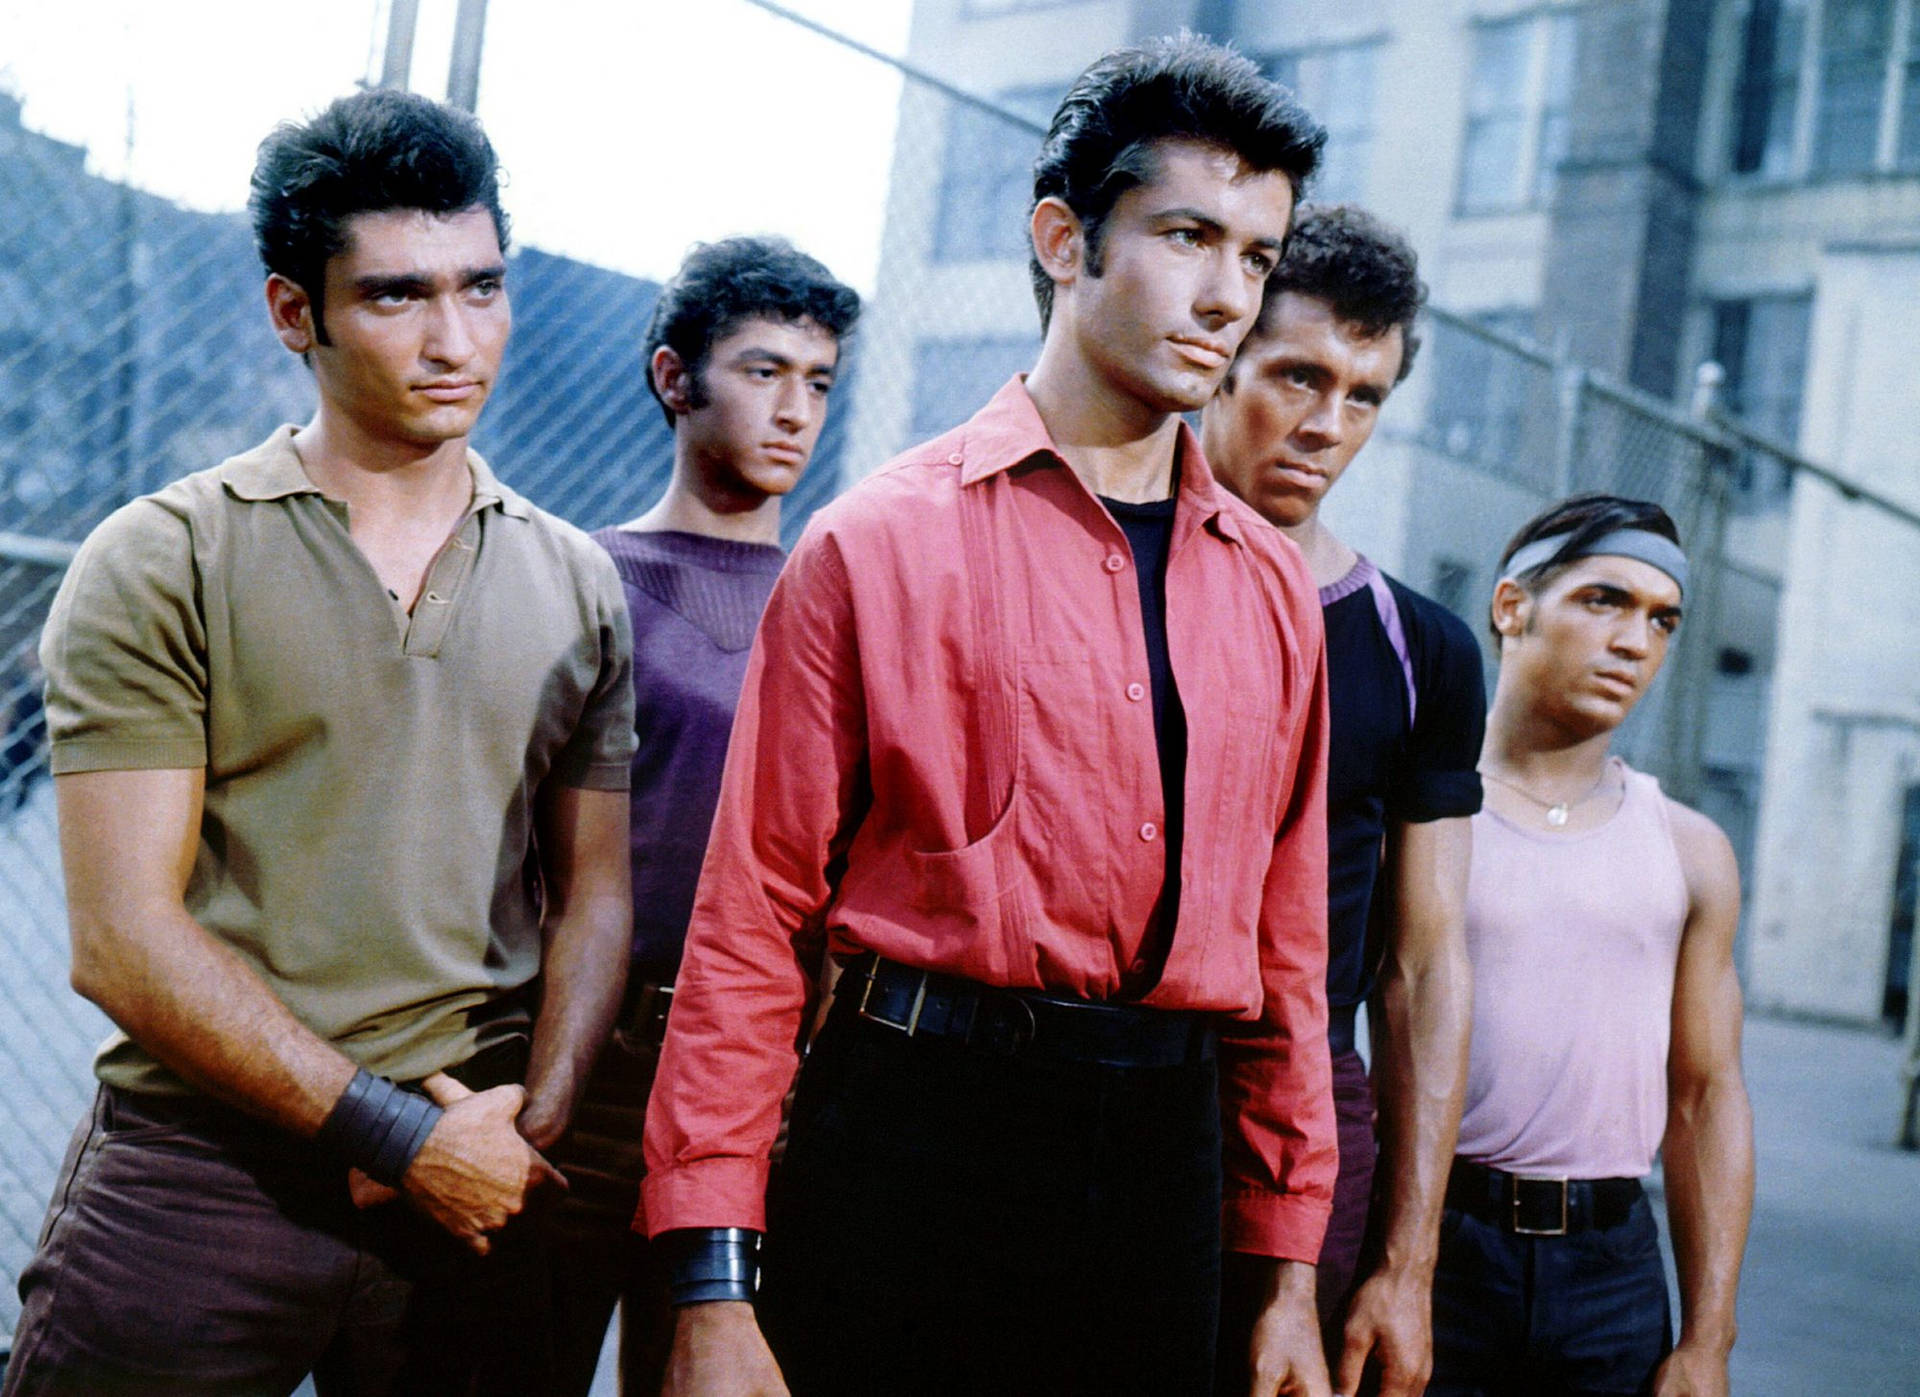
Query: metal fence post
(1570, 386)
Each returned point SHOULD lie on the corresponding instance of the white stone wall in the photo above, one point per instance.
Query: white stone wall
(1844, 740)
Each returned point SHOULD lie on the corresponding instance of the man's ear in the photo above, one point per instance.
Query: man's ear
(1059, 241)
(672, 380)
(1512, 606)
(291, 311)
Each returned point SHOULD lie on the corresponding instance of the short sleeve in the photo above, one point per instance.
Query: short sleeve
(599, 754)
(1437, 777)
(125, 649)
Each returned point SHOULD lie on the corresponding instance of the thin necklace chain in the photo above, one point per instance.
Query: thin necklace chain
(1557, 810)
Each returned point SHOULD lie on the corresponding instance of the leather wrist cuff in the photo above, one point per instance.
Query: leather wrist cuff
(711, 1263)
(378, 1127)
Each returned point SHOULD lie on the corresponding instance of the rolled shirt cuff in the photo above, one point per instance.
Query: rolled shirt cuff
(1287, 1226)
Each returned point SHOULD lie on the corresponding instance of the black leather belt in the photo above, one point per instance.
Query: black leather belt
(1009, 1023)
(1532, 1207)
(643, 1012)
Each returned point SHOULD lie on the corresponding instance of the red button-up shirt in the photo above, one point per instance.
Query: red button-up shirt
(941, 755)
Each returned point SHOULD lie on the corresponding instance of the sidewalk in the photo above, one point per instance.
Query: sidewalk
(1830, 1295)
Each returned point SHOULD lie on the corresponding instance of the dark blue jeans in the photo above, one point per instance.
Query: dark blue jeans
(949, 1222)
(1530, 1316)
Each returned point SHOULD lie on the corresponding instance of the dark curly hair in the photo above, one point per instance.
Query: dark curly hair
(1364, 269)
(722, 285)
(366, 153)
(1102, 138)
(1577, 521)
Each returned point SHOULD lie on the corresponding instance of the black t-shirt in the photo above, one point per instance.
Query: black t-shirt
(1384, 762)
(1149, 531)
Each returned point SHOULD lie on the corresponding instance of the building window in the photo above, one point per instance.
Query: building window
(1337, 86)
(1761, 343)
(1855, 41)
(1481, 390)
(1768, 97)
(988, 185)
(1828, 87)
(1518, 97)
(952, 379)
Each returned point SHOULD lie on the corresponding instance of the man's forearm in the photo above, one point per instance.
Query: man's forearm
(1708, 1168)
(1420, 1069)
(582, 980)
(202, 1011)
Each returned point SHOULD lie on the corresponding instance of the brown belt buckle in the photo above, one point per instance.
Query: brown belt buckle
(913, 1014)
(1520, 1229)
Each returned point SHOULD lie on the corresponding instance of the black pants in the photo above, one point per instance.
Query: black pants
(193, 1251)
(1573, 1316)
(949, 1222)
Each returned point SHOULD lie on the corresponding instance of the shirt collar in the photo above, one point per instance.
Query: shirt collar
(272, 471)
(1008, 431)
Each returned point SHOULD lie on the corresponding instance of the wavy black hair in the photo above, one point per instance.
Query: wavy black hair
(1102, 138)
(366, 153)
(1577, 521)
(723, 284)
(1364, 269)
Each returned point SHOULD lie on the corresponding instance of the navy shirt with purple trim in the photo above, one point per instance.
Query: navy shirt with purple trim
(1409, 712)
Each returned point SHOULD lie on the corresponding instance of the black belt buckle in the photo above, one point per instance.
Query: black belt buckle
(912, 1023)
(1539, 1207)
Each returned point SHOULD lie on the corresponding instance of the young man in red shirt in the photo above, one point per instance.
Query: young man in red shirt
(1033, 742)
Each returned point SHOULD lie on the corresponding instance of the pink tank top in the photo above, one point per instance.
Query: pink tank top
(1574, 942)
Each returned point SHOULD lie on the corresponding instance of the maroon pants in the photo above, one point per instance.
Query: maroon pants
(192, 1250)
(1352, 1192)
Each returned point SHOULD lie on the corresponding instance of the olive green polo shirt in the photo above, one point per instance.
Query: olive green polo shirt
(366, 844)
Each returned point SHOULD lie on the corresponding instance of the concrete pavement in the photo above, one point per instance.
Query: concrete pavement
(1830, 1295)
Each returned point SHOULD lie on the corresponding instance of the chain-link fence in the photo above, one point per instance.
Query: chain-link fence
(133, 348)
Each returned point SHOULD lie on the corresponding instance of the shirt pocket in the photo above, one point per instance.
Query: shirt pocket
(1051, 788)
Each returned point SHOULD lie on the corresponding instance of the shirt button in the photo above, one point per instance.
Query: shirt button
(1149, 831)
(955, 459)
(1136, 692)
(1115, 562)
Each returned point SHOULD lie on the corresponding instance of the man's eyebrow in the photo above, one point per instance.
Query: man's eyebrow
(403, 283)
(1187, 215)
(493, 271)
(756, 353)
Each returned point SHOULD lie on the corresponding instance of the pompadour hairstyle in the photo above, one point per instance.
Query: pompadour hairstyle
(367, 153)
(723, 284)
(1101, 141)
(1577, 521)
(1364, 269)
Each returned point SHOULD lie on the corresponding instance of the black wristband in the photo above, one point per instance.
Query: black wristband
(378, 1127)
(710, 1263)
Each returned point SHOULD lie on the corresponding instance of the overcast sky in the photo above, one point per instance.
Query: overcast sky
(629, 129)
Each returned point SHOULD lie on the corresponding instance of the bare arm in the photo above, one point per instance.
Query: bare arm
(1708, 1149)
(127, 842)
(1419, 1074)
(589, 939)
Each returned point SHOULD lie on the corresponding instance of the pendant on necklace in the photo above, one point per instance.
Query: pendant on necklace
(1557, 815)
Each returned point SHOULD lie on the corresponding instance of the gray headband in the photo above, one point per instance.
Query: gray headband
(1642, 545)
